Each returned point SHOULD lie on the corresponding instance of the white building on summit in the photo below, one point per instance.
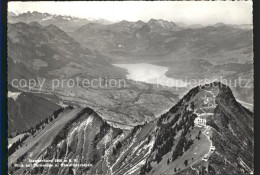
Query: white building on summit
(200, 121)
(212, 148)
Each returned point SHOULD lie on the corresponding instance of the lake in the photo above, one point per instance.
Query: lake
(150, 73)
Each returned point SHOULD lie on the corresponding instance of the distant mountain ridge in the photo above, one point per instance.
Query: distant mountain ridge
(66, 23)
(159, 38)
(75, 22)
(173, 143)
(47, 51)
(196, 52)
(197, 26)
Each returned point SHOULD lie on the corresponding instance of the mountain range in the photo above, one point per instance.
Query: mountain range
(174, 143)
(66, 23)
(70, 23)
(44, 53)
(47, 51)
(221, 50)
(160, 38)
(139, 128)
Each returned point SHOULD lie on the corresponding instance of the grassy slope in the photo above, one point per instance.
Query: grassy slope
(27, 111)
(44, 138)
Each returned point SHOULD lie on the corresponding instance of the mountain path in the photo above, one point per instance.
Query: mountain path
(195, 169)
(208, 128)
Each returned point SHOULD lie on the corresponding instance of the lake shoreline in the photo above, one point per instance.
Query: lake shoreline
(150, 73)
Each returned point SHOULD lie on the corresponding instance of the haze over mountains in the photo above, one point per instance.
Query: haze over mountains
(66, 23)
(47, 52)
(69, 23)
(41, 49)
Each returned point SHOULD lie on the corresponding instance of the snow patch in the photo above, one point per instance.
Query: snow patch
(47, 18)
(62, 104)
(78, 128)
(60, 144)
(136, 167)
(107, 138)
(138, 146)
(245, 166)
(142, 162)
(67, 18)
(13, 95)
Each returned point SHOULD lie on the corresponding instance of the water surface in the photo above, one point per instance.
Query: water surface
(150, 73)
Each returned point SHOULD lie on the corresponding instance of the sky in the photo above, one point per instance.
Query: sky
(189, 12)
